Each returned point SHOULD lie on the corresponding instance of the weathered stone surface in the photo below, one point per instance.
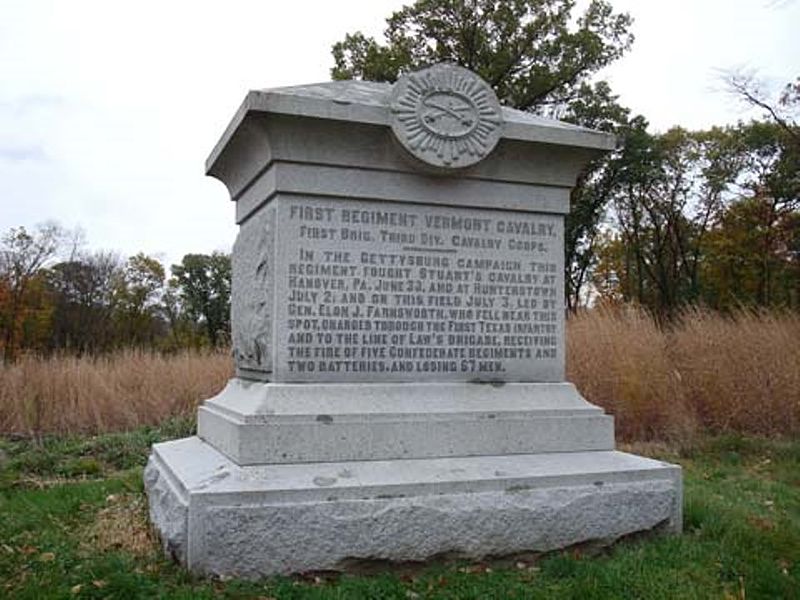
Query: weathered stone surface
(252, 311)
(251, 521)
(168, 504)
(255, 423)
(330, 145)
(246, 145)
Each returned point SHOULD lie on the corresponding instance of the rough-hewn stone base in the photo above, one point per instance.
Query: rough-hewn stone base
(220, 518)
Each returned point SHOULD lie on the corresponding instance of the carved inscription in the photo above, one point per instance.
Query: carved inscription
(380, 292)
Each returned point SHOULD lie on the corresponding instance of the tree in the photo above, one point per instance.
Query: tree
(22, 255)
(203, 284)
(667, 192)
(83, 291)
(137, 294)
(783, 111)
(757, 236)
(532, 52)
(707, 216)
(595, 107)
(733, 269)
(537, 56)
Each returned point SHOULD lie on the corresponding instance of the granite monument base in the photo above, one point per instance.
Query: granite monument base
(293, 478)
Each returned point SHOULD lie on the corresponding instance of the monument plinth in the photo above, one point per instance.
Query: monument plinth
(398, 333)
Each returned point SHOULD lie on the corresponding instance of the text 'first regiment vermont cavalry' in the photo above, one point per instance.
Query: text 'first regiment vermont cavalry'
(398, 333)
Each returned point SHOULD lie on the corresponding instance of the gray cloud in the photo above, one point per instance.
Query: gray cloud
(23, 153)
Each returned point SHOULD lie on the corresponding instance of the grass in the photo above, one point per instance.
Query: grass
(73, 525)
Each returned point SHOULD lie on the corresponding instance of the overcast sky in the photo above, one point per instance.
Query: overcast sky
(108, 109)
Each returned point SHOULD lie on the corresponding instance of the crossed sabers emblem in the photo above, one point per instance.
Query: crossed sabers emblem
(440, 110)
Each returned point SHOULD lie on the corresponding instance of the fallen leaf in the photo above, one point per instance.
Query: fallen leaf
(76, 589)
(761, 523)
(99, 583)
(28, 549)
(47, 557)
(8, 549)
(411, 594)
(784, 566)
(476, 569)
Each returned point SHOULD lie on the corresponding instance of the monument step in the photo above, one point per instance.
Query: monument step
(255, 423)
(220, 517)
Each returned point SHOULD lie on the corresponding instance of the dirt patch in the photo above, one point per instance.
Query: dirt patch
(121, 525)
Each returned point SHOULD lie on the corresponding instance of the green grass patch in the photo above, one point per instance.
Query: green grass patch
(39, 462)
(73, 524)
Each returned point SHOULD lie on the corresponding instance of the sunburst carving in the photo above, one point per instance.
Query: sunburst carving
(446, 116)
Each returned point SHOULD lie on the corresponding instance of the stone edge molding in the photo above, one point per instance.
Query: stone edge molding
(368, 103)
(273, 423)
(445, 116)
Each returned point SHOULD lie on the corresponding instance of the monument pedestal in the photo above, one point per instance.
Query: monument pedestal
(313, 477)
(397, 312)
(272, 423)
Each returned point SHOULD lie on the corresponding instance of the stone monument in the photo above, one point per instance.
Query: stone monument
(398, 333)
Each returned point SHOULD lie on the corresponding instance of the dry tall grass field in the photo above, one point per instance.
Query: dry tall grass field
(108, 393)
(711, 373)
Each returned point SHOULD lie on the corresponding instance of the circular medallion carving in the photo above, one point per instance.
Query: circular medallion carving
(446, 116)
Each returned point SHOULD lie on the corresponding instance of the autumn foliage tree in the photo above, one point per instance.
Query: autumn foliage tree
(22, 256)
(705, 217)
(96, 302)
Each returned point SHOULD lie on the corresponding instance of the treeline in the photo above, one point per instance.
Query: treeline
(55, 297)
(708, 218)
